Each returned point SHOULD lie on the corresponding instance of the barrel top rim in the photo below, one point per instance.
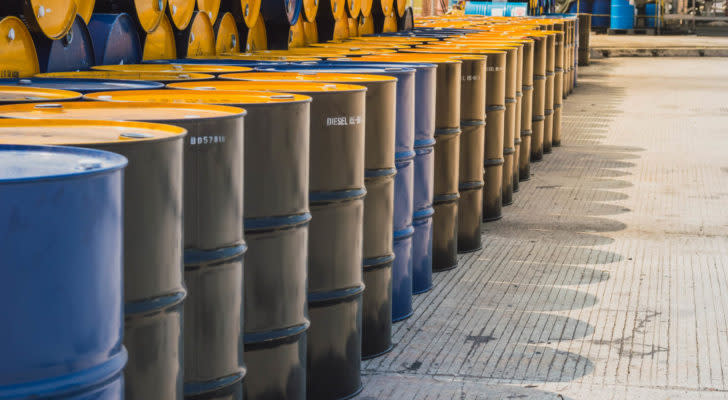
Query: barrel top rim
(418, 57)
(200, 97)
(138, 76)
(41, 93)
(179, 68)
(277, 86)
(314, 76)
(87, 162)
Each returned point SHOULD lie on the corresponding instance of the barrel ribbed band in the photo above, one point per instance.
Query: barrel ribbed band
(447, 132)
(404, 155)
(445, 198)
(376, 173)
(517, 141)
(549, 73)
(495, 108)
(423, 213)
(519, 94)
(548, 112)
(538, 118)
(213, 386)
(320, 299)
(263, 340)
(559, 69)
(375, 262)
(557, 106)
(159, 303)
(526, 133)
(539, 77)
(403, 233)
(472, 123)
(509, 150)
(423, 143)
(213, 256)
(492, 162)
(510, 100)
(265, 224)
(472, 185)
(336, 196)
(527, 88)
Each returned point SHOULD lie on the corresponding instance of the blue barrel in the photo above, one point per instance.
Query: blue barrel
(600, 14)
(584, 7)
(61, 290)
(622, 15)
(73, 52)
(114, 39)
(82, 85)
(651, 11)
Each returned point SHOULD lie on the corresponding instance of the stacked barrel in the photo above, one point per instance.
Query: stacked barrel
(368, 162)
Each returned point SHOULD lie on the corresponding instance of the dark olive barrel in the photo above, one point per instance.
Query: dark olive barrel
(335, 283)
(472, 148)
(526, 108)
(559, 52)
(548, 124)
(495, 100)
(509, 127)
(539, 98)
(276, 228)
(447, 164)
(527, 46)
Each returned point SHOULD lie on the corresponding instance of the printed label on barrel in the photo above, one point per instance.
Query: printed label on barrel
(344, 120)
(494, 69)
(9, 74)
(202, 140)
(471, 78)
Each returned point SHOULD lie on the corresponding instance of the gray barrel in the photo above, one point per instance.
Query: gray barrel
(472, 147)
(559, 58)
(509, 128)
(539, 98)
(447, 164)
(213, 250)
(517, 129)
(494, 130)
(526, 104)
(548, 123)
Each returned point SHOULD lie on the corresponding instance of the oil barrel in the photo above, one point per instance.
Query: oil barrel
(11, 94)
(276, 231)
(221, 60)
(198, 39)
(366, 22)
(247, 11)
(72, 52)
(70, 203)
(406, 22)
(159, 44)
(539, 96)
(287, 36)
(332, 15)
(310, 32)
(472, 148)
(353, 26)
(336, 198)
(180, 12)
(174, 68)
(38, 17)
(162, 77)
(548, 124)
(114, 39)
(309, 9)
(524, 154)
(18, 58)
(379, 201)
(211, 8)
(214, 346)
(256, 37)
(227, 37)
(148, 13)
(559, 57)
(85, 8)
(79, 85)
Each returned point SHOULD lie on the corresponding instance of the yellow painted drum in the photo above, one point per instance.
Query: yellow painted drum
(139, 76)
(180, 12)
(17, 52)
(198, 39)
(209, 7)
(19, 94)
(310, 32)
(257, 38)
(366, 25)
(227, 37)
(174, 68)
(160, 45)
(246, 10)
(84, 8)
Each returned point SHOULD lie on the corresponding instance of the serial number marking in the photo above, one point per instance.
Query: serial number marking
(471, 77)
(199, 140)
(9, 74)
(343, 120)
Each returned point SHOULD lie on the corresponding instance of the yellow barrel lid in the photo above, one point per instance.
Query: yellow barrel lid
(114, 111)
(160, 45)
(309, 9)
(25, 94)
(296, 35)
(150, 13)
(84, 8)
(52, 18)
(82, 132)
(353, 26)
(173, 68)
(349, 45)
(366, 24)
(125, 75)
(310, 32)
(17, 51)
(210, 7)
(201, 37)
(269, 86)
(308, 77)
(413, 57)
(390, 39)
(227, 37)
(257, 38)
(353, 7)
(180, 12)
(261, 57)
(250, 10)
(220, 97)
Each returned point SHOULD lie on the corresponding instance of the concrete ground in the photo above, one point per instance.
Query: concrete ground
(608, 276)
(603, 45)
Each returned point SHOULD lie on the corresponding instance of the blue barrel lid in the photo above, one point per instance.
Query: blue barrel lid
(82, 85)
(20, 163)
